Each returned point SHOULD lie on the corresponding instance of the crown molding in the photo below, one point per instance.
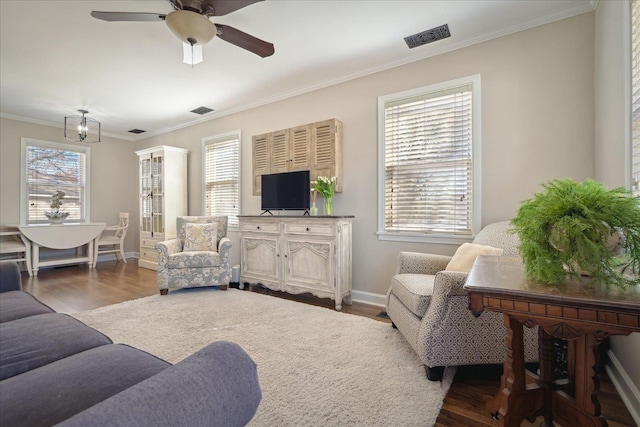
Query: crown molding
(583, 7)
(58, 125)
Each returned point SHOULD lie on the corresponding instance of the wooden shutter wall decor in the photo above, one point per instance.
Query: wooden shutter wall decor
(316, 147)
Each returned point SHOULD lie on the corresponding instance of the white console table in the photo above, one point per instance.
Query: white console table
(298, 254)
(61, 236)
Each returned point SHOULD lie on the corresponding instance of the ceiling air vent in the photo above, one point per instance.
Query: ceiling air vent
(137, 131)
(202, 110)
(429, 36)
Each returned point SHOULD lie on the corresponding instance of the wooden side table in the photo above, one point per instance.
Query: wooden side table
(574, 311)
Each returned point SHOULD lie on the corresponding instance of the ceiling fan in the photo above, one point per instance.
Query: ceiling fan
(190, 23)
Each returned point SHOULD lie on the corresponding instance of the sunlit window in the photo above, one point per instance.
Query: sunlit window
(222, 176)
(49, 167)
(430, 178)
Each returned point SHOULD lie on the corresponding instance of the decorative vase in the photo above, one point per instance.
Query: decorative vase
(328, 206)
(56, 217)
(313, 211)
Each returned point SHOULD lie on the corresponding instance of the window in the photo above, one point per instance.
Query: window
(429, 167)
(48, 167)
(635, 97)
(221, 176)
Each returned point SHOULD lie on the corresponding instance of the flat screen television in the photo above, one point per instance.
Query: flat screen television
(286, 191)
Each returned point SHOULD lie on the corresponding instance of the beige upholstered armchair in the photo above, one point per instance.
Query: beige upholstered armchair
(199, 256)
(428, 305)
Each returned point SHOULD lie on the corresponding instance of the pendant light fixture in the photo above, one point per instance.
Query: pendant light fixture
(81, 128)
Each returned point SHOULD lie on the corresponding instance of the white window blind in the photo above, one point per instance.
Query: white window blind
(635, 97)
(49, 168)
(428, 162)
(221, 176)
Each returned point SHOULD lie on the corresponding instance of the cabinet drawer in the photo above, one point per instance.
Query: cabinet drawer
(149, 243)
(149, 253)
(266, 227)
(310, 228)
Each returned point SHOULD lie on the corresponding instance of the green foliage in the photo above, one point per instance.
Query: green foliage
(566, 229)
(325, 186)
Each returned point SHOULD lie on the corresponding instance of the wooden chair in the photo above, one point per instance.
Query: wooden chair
(113, 238)
(15, 247)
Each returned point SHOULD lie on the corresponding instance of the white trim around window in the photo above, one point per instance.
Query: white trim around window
(631, 70)
(82, 212)
(455, 229)
(225, 176)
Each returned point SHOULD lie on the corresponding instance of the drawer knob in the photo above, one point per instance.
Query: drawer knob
(307, 228)
(258, 227)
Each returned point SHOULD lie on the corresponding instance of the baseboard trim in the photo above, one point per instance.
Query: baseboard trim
(626, 388)
(112, 257)
(369, 298)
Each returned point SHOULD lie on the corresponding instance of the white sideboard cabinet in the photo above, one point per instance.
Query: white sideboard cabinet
(163, 197)
(298, 254)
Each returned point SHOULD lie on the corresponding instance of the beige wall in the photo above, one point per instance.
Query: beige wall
(537, 110)
(537, 104)
(113, 177)
(612, 133)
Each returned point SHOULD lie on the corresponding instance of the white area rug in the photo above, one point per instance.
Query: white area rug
(317, 367)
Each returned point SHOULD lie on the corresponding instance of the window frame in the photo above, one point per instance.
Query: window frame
(85, 210)
(476, 163)
(631, 183)
(237, 135)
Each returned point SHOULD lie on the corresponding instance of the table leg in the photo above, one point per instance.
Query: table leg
(547, 356)
(584, 408)
(35, 255)
(90, 252)
(515, 401)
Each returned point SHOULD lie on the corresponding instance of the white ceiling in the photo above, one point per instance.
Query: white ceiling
(55, 58)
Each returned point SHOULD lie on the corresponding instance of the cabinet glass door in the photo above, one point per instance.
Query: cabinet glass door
(157, 191)
(145, 195)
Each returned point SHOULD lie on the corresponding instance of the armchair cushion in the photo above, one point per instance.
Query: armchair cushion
(414, 291)
(201, 237)
(466, 255)
(199, 259)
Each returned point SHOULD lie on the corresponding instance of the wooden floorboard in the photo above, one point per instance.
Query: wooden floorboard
(78, 288)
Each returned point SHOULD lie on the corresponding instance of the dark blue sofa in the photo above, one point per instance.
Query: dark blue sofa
(55, 370)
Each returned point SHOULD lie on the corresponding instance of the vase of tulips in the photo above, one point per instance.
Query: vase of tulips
(327, 187)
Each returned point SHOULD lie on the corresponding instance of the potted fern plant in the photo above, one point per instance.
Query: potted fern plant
(574, 229)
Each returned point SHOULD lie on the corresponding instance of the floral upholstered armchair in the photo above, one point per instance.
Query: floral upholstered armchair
(428, 305)
(199, 256)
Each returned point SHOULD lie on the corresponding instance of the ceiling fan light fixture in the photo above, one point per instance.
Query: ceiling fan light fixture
(189, 26)
(79, 128)
(192, 54)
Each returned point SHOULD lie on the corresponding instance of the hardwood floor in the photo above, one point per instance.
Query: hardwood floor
(77, 288)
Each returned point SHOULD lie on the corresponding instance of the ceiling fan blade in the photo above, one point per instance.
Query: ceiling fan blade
(224, 7)
(128, 16)
(245, 41)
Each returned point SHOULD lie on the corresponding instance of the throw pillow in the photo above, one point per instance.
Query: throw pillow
(201, 237)
(466, 255)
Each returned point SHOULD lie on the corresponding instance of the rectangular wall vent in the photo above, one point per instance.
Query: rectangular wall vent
(137, 131)
(429, 36)
(202, 110)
